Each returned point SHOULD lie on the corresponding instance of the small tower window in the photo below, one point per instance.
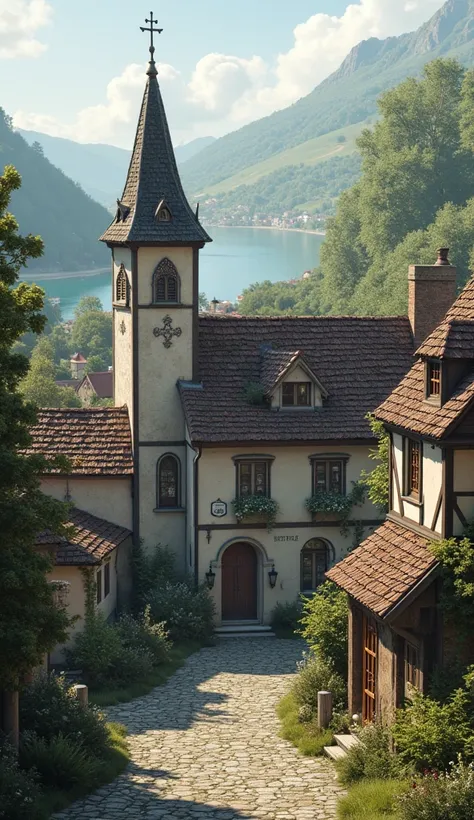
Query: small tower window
(166, 284)
(164, 215)
(121, 286)
(168, 477)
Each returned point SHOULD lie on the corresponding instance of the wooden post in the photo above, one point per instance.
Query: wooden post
(324, 709)
(10, 718)
(82, 693)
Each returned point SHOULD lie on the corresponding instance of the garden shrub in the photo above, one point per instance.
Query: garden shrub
(315, 675)
(440, 796)
(188, 612)
(150, 569)
(324, 625)
(60, 761)
(48, 707)
(286, 616)
(430, 734)
(99, 651)
(142, 633)
(19, 790)
(372, 758)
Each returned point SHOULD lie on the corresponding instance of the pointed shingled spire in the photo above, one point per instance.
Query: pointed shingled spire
(153, 178)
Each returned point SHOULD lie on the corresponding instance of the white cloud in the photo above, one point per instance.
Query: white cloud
(225, 91)
(19, 20)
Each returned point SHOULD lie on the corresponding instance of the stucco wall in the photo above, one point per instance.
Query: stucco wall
(76, 598)
(463, 482)
(160, 411)
(386, 673)
(397, 460)
(167, 528)
(109, 498)
(149, 258)
(432, 482)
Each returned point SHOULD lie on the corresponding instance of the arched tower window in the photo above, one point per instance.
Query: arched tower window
(166, 283)
(316, 558)
(121, 286)
(168, 482)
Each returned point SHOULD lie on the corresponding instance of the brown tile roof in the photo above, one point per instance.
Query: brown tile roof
(102, 383)
(90, 541)
(452, 339)
(406, 406)
(275, 363)
(78, 357)
(383, 570)
(96, 440)
(358, 360)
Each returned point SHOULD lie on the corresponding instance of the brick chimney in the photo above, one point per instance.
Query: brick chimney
(431, 292)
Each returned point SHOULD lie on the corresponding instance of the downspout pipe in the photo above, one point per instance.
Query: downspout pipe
(196, 514)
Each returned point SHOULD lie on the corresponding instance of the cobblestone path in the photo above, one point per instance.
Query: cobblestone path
(205, 745)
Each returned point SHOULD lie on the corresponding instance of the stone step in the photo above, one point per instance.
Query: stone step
(346, 742)
(334, 752)
(244, 631)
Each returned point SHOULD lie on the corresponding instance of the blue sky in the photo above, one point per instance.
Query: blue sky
(75, 69)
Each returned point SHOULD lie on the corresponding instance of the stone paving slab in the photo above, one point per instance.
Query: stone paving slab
(205, 745)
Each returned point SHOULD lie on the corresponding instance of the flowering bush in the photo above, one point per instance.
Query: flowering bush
(187, 612)
(445, 796)
(49, 707)
(19, 790)
(250, 505)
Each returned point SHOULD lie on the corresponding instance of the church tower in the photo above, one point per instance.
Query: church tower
(155, 240)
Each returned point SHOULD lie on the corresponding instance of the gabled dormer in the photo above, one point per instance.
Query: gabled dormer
(289, 381)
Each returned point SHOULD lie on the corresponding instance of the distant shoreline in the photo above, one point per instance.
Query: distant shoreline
(72, 274)
(269, 228)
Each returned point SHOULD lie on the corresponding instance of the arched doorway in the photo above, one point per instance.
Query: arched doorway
(239, 582)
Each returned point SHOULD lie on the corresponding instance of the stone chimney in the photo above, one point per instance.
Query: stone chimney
(431, 292)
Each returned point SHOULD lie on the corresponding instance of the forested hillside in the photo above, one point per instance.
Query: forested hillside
(347, 97)
(53, 206)
(416, 194)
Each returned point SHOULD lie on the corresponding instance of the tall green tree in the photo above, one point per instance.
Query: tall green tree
(92, 330)
(415, 161)
(30, 621)
(39, 385)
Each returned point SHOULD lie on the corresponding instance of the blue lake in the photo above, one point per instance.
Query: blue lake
(237, 258)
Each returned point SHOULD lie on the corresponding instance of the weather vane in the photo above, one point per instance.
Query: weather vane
(152, 31)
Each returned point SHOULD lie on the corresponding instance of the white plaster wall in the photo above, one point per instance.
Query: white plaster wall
(123, 361)
(397, 456)
(281, 547)
(149, 258)
(290, 478)
(108, 498)
(76, 599)
(432, 482)
(160, 410)
(165, 528)
(463, 482)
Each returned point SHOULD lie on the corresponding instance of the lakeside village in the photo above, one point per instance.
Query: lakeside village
(246, 216)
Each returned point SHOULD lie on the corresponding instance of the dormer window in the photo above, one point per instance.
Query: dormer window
(433, 381)
(163, 213)
(296, 394)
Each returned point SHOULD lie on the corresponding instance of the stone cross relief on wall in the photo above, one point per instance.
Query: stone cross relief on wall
(167, 332)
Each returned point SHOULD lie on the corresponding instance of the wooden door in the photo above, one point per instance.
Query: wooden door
(239, 583)
(369, 670)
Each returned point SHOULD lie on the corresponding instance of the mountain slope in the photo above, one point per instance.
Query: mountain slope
(345, 98)
(55, 207)
(99, 168)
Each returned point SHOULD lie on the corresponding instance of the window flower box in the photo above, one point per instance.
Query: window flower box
(256, 508)
(334, 506)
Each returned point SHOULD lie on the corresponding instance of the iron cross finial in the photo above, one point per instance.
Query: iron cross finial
(152, 31)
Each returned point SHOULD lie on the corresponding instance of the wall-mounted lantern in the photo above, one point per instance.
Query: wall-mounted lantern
(210, 577)
(272, 576)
